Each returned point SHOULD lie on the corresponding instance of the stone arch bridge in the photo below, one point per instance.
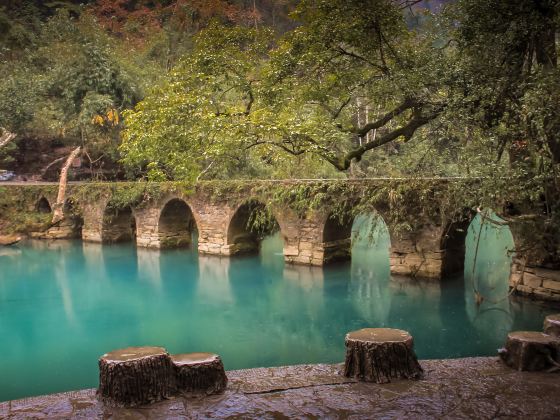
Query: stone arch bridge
(167, 216)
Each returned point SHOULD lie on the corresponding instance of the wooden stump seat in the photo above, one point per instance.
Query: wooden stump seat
(381, 354)
(135, 376)
(199, 373)
(531, 351)
(552, 325)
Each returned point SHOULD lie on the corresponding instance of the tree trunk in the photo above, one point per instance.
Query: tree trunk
(199, 373)
(380, 354)
(552, 325)
(135, 376)
(531, 351)
(58, 211)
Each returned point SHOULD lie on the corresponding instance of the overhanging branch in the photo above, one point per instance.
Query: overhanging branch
(406, 131)
(362, 131)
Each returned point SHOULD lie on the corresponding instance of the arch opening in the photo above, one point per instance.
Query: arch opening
(119, 225)
(453, 246)
(72, 223)
(363, 238)
(43, 206)
(176, 225)
(251, 223)
(488, 255)
(371, 245)
(337, 241)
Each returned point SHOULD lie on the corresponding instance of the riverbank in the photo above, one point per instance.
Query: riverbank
(456, 388)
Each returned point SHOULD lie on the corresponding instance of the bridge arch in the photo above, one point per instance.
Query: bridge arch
(453, 245)
(249, 224)
(176, 224)
(345, 235)
(119, 224)
(43, 206)
(336, 238)
(474, 237)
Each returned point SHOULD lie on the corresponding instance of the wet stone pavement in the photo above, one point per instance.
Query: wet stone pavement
(481, 388)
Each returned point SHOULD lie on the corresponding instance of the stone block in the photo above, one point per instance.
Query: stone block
(400, 269)
(551, 285)
(531, 280)
(514, 278)
(524, 289)
(542, 293)
(545, 273)
(305, 245)
(290, 251)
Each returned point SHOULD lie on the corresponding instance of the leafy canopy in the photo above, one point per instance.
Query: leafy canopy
(243, 97)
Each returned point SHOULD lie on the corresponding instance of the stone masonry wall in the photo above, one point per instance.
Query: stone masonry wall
(418, 254)
(538, 282)
(421, 253)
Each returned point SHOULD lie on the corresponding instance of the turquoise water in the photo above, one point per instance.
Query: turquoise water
(63, 304)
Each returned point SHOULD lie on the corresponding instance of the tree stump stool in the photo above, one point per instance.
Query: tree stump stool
(199, 373)
(380, 354)
(552, 325)
(531, 351)
(135, 376)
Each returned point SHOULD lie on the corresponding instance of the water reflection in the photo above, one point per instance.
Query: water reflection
(148, 262)
(66, 303)
(214, 280)
(487, 268)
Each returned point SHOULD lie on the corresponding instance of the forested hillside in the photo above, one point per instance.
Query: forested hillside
(191, 89)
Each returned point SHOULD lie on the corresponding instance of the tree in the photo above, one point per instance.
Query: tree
(508, 58)
(70, 86)
(240, 93)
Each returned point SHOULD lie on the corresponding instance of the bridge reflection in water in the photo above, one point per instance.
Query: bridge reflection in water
(63, 304)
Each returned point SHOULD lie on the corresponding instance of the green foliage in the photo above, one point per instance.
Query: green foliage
(71, 84)
(240, 102)
(18, 213)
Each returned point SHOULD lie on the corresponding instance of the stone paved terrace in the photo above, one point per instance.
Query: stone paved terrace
(481, 388)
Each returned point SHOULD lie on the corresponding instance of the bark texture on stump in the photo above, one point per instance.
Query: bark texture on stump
(381, 354)
(552, 325)
(199, 372)
(135, 376)
(531, 351)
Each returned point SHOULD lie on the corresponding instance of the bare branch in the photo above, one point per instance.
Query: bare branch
(384, 69)
(50, 165)
(405, 4)
(204, 171)
(6, 137)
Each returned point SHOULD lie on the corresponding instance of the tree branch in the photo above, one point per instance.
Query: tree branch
(384, 69)
(406, 131)
(407, 104)
(6, 137)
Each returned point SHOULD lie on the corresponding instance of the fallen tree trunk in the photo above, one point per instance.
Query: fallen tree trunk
(58, 210)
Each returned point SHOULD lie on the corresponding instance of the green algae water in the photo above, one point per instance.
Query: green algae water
(63, 304)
